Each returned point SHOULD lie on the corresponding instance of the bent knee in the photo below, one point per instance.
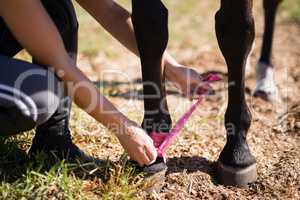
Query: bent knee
(31, 99)
(46, 103)
(45, 90)
(20, 112)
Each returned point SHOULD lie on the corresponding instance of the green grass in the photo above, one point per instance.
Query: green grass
(24, 179)
(187, 28)
(293, 9)
(191, 25)
(57, 183)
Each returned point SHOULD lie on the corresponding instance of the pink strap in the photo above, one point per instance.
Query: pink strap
(163, 140)
(158, 139)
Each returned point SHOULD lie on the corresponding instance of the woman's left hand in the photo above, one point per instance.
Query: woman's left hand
(187, 80)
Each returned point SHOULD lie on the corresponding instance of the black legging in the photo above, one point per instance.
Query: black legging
(30, 94)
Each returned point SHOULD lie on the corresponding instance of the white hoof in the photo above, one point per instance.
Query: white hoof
(265, 84)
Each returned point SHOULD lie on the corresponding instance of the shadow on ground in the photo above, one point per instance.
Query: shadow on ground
(15, 163)
(13, 160)
(130, 90)
(192, 164)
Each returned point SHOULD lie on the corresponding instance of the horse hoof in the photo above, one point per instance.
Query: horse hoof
(239, 177)
(270, 96)
(266, 88)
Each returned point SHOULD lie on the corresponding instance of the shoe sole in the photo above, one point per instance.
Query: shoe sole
(155, 182)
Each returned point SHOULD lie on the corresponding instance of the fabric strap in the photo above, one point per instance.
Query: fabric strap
(163, 140)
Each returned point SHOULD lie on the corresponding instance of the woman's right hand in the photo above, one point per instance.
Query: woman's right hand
(138, 144)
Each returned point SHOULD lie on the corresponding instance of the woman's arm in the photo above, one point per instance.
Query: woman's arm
(36, 32)
(117, 21)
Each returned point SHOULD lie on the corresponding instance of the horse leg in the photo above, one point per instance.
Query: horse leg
(248, 61)
(266, 87)
(235, 34)
(150, 22)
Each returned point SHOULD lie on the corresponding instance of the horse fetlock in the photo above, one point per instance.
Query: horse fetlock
(157, 123)
(237, 121)
(236, 153)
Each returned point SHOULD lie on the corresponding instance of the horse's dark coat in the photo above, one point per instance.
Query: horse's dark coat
(270, 8)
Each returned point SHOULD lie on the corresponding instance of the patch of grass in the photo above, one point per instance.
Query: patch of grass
(124, 183)
(293, 9)
(188, 28)
(22, 178)
(57, 183)
(93, 39)
(191, 25)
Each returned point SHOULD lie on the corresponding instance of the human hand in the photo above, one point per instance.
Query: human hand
(138, 144)
(188, 80)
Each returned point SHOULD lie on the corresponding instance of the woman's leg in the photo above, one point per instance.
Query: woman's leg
(54, 135)
(22, 106)
(28, 95)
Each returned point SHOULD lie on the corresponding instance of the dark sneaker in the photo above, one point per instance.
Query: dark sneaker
(60, 147)
(155, 174)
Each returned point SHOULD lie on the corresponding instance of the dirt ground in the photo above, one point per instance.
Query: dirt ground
(274, 136)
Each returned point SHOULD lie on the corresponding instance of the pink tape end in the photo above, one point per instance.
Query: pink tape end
(212, 78)
(158, 139)
(162, 155)
(205, 88)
